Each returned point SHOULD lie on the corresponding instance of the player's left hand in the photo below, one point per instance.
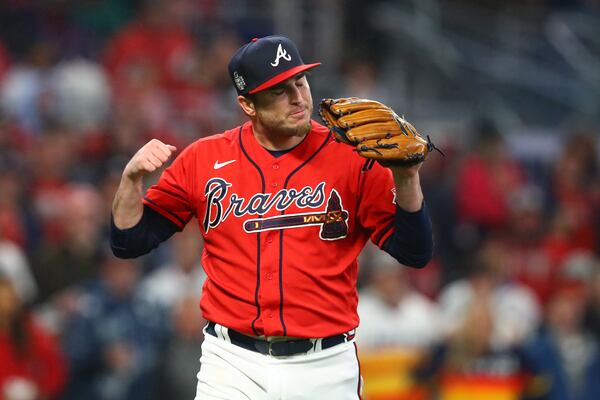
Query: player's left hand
(410, 171)
(376, 132)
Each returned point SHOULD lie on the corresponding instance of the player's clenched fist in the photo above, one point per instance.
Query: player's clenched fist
(127, 206)
(148, 159)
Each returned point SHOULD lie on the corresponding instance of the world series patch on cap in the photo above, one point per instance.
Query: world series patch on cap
(265, 62)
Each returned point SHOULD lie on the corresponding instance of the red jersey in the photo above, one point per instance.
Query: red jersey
(281, 234)
(42, 362)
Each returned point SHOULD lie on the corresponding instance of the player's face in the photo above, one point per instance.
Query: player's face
(286, 108)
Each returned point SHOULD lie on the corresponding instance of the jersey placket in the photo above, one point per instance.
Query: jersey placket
(270, 291)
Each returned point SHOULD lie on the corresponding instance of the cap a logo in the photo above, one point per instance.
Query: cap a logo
(239, 81)
(281, 53)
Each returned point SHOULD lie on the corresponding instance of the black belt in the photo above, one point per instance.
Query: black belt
(279, 347)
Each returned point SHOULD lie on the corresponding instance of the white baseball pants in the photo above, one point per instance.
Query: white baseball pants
(230, 372)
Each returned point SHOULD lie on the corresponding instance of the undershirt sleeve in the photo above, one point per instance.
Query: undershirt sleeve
(411, 242)
(140, 239)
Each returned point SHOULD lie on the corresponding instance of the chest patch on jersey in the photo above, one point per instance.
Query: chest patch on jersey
(332, 220)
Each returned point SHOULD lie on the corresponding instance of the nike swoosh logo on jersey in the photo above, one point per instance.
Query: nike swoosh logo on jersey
(219, 165)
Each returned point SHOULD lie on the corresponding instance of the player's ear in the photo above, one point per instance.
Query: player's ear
(247, 105)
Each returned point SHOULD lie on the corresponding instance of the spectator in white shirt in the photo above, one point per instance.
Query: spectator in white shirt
(392, 313)
(182, 277)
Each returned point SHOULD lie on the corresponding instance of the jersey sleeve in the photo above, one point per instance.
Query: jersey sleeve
(172, 195)
(376, 208)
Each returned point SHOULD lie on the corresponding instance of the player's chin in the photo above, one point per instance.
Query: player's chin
(294, 129)
(302, 128)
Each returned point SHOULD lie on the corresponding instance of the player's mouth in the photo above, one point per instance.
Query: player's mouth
(298, 113)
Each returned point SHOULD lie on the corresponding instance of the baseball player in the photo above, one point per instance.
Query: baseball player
(284, 210)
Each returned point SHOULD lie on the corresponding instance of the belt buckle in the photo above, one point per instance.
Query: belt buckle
(262, 346)
(270, 347)
(289, 347)
(266, 347)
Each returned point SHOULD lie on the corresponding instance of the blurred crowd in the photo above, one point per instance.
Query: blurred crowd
(509, 308)
(510, 305)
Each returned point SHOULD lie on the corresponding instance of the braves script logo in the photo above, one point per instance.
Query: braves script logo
(281, 53)
(332, 220)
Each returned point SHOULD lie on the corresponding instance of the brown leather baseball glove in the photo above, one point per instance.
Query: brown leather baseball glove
(375, 131)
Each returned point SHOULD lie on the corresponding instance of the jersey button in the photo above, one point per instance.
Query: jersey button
(269, 314)
(270, 240)
(269, 276)
(274, 184)
(275, 166)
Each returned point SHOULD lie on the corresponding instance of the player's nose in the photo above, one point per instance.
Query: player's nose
(295, 95)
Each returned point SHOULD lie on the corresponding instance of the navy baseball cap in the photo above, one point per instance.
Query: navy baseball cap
(265, 62)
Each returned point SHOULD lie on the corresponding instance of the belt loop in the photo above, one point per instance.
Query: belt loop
(225, 332)
(219, 332)
(222, 332)
(348, 336)
(210, 329)
(318, 345)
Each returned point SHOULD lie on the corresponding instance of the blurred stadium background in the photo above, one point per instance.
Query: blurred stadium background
(510, 90)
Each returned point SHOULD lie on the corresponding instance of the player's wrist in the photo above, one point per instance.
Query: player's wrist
(133, 178)
(409, 195)
(404, 172)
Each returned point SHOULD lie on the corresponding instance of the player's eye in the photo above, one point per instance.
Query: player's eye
(299, 81)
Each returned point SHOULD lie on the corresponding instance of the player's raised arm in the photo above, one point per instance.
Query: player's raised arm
(127, 206)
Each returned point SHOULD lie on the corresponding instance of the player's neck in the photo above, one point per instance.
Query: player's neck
(277, 141)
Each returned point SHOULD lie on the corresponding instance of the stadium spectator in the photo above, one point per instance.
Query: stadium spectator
(32, 366)
(575, 190)
(81, 94)
(26, 94)
(486, 320)
(14, 265)
(411, 319)
(114, 339)
(468, 364)
(156, 41)
(4, 60)
(361, 79)
(531, 261)
(15, 214)
(51, 161)
(182, 277)
(487, 176)
(182, 352)
(564, 351)
(71, 252)
(592, 313)
(438, 181)
(514, 311)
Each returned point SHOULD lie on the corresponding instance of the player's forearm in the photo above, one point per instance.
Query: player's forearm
(409, 195)
(127, 208)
